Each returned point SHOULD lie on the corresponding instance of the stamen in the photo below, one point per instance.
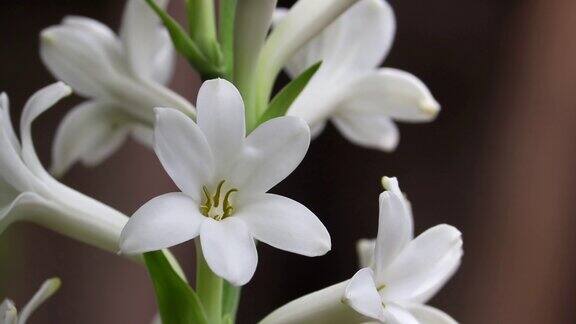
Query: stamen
(205, 208)
(228, 209)
(217, 194)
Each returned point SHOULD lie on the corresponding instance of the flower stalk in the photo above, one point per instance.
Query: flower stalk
(209, 287)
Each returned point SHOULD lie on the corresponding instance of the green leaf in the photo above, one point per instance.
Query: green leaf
(177, 302)
(282, 101)
(226, 34)
(230, 300)
(184, 44)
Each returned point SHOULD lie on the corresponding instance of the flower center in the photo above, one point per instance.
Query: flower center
(217, 206)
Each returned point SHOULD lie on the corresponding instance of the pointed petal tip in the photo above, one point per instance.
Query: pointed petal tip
(430, 107)
(389, 182)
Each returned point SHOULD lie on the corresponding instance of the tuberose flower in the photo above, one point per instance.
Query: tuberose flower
(403, 272)
(9, 313)
(224, 176)
(29, 193)
(122, 77)
(399, 275)
(361, 99)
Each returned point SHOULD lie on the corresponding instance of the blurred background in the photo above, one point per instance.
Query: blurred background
(498, 163)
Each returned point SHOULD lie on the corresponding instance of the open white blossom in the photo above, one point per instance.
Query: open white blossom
(29, 193)
(404, 272)
(122, 77)
(361, 99)
(9, 313)
(399, 275)
(224, 176)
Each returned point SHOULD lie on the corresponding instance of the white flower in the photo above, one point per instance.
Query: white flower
(9, 313)
(224, 176)
(29, 193)
(122, 77)
(404, 272)
(304, 20)
(361, 99)
(400, 274)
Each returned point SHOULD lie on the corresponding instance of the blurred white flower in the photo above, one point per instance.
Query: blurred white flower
(400, 274)
(29, 193)
(122, 77)
(361, 99)
(9, 313)
(224, 176)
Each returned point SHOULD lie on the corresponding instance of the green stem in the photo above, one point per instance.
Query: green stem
(208, 287)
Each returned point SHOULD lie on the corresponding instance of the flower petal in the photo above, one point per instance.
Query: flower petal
(83, 53)
(48, 288)
(368, 130)
(148, 47)
(221, 119)
(229, 249)
(445, 269)
(162, 222)
(8, 312)
(396, 314)
(362, 295)
(91, 131)
(415, 267)
(357, 40)
(392, 93)
(395, 228)
(285, 224)
(41, 101)
(183, 151)
(430, 315)
(14, 172)
(365, 251)
(270, 153)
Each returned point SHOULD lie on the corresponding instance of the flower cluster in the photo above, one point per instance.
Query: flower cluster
(226, 153)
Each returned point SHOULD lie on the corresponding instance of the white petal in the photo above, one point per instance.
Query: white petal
(362, 295)
(147, 45)
(183, 151)
(376, 131)
(82, 53)
(13, 171)
(304, 21)
(430, 315)
(393, 93)
(8, 312)
(445, 270)
(395, 230)
(162, 222)
(365, 251)
(48, 288)
(358, 40)
(415, 266)
(221, 119)
(7, 122)
(285, 224)
(88, 130)
(41, 101)
(396, 314)
(270, 153)
(324, 306)
(229, 249)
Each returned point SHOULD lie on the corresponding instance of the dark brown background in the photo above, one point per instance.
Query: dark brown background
(498, 163)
